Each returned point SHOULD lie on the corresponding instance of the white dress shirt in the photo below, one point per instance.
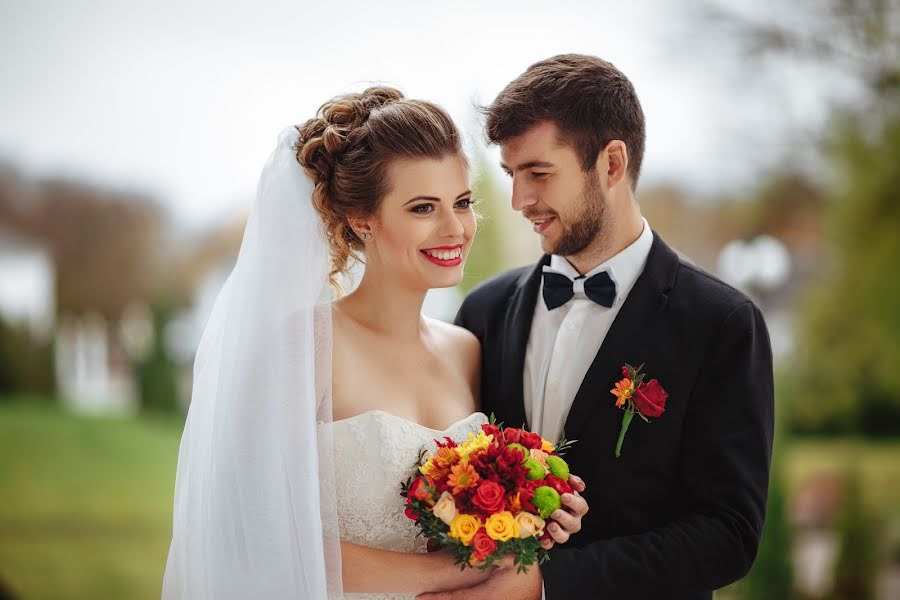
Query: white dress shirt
(564, 341)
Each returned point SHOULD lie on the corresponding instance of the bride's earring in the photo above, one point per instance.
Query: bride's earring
(367, 236)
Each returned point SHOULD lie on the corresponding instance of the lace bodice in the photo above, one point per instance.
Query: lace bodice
(373, 452)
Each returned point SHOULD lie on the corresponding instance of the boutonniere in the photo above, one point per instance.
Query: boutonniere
(634, 396)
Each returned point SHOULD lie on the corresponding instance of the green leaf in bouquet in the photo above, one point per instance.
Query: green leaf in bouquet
(564, 445)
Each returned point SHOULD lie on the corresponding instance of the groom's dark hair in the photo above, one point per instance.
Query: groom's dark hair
(589, 99)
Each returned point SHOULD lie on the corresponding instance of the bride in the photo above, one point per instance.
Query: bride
(307, 413)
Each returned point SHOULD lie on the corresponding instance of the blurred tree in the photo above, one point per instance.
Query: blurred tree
(848, 379)
(104, 243)
(772, 574)
(857, 40)
(486, 256)
(156, 374)
(26, 365)
(856, 567)
(852, 322)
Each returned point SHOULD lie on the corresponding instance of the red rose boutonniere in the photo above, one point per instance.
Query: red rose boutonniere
(633, 395)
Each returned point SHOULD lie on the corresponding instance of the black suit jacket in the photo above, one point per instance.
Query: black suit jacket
(680, 513)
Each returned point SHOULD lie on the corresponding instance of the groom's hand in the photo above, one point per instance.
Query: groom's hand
(504, 583)
(567, 520)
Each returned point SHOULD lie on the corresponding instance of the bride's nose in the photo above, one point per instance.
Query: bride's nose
(451, 225)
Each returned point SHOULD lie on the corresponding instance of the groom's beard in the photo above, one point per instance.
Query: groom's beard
(581, 228)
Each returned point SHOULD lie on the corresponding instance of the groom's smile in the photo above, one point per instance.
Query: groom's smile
(541, 224)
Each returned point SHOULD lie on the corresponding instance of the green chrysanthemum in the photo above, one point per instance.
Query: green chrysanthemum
(558, 467)
(535, 469)
(546, 500)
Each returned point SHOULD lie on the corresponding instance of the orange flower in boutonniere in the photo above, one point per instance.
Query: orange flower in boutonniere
(633, 395)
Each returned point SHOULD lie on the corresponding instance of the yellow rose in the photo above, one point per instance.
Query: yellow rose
(463, 528)
(445, 509)
(546, 446)
(529, 525)
(502, 526)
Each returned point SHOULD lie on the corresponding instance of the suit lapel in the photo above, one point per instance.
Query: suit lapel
(518, 329)
(627, 337)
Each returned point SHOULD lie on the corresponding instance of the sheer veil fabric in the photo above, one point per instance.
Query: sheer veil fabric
(254, 513)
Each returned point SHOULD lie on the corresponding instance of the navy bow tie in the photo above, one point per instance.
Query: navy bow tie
(558, 289)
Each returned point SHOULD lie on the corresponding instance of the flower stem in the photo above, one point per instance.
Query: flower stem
(626, 421)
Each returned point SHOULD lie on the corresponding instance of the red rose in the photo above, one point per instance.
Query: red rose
(531, 440)
(482, 545)
(625, 372)
(650, 399)
(491, 429)
(412, 513)
(419, 489)
(489, 497)
(512, 435)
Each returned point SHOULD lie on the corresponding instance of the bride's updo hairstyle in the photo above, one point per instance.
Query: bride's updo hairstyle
(346, 151)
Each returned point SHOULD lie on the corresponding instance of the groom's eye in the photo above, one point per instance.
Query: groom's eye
(538, 175)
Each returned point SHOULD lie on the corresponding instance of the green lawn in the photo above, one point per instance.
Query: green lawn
(85, 504)
(878, 462)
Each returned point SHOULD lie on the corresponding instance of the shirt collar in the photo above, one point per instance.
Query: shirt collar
(624, 268)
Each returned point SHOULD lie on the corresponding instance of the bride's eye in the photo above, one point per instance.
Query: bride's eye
(423, 209)
(467, 203)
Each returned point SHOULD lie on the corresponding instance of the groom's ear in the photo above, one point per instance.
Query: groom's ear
(612, 162)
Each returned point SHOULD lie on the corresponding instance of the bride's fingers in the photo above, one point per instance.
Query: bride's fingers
(547, 544)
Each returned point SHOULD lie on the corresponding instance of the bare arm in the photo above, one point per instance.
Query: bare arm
(372, 570)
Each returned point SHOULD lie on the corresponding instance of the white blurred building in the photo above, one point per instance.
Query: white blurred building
(92, 378)
(87, 379)
(27, 284)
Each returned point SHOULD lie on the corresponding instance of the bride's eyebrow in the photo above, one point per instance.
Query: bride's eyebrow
(433, 198)
(419, 198)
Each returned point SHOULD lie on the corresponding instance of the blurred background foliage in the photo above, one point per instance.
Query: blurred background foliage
(91, 405)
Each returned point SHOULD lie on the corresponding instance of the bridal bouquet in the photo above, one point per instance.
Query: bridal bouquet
(488, 496)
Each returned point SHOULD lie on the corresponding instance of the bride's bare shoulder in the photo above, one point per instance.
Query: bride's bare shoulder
(459, 338)
(464, 347)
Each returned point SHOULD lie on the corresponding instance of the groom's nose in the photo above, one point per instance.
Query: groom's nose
(523, 195)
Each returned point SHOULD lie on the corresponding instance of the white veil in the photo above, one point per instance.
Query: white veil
(254, 512)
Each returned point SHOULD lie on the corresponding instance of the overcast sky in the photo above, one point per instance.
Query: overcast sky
(184, 100)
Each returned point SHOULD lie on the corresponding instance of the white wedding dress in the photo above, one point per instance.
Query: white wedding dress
(373, 452)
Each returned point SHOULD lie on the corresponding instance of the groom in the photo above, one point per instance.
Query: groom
(680, 512)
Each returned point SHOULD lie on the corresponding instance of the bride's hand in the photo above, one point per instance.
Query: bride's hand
(452, 577)
(566, 521)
